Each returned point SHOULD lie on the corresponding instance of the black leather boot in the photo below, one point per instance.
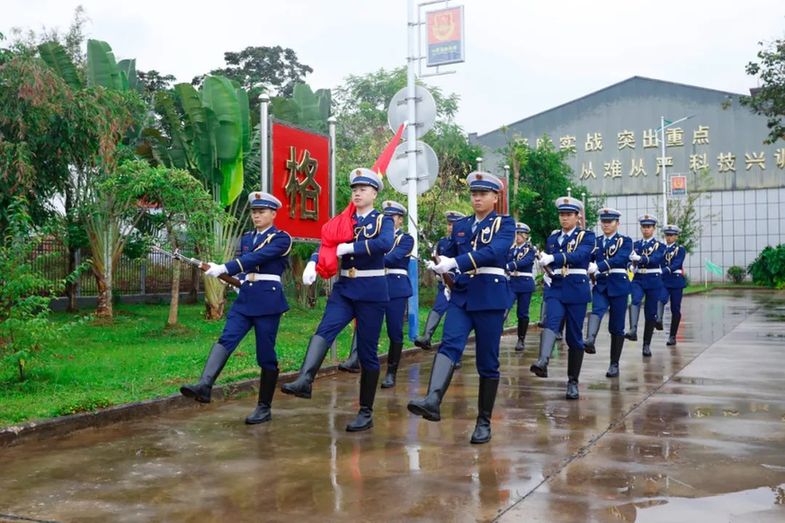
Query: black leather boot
(675, 320)
(648, 330)
(635, 312)
(560, 334)
(523, 326)
(485, 401)
(352, 363)
(364, 419)
(424, 341)
(441, 374)
(617, 342)
(660, 314)
(202, 391)
(393, 358)
(591, 334)
(301, 387)
(574, 363)
(547, 340)
(262, 412)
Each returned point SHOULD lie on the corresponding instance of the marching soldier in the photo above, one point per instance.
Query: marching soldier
(673, 279)
(440, 303)
(264, 255)
(478, 250)
(646, 256)
(566, 258)
(396, 263)
(519, 265)
(612, 286)
(361, 292)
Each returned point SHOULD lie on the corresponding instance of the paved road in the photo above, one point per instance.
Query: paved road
(697, 433)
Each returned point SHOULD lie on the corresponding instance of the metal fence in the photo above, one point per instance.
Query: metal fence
(150, 274)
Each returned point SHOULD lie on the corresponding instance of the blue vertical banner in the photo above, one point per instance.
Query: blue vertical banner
(445, 36)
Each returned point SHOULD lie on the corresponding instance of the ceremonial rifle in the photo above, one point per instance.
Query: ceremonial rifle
(204, 266)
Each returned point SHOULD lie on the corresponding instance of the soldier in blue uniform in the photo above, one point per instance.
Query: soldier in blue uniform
(264, 256)
(609, 267)
(566, 261)
(520, 263)
(646, 257)
(361, 292)
(441, 301)
(396, 263)
(673, 279)
(478, 250)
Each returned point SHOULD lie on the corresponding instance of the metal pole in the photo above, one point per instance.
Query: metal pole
(264, 138)
(507, 188)
(585, 221)
(411, 154)
(331, 125)
(479, 163)
(664, 176)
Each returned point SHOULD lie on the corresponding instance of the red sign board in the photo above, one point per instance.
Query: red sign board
(445, 36)
(301, 180)
(678, 186)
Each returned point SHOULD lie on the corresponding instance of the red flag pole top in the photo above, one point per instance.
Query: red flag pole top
(340, 228)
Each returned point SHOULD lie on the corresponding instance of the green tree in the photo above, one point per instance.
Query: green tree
(769, 99)
(544, 175)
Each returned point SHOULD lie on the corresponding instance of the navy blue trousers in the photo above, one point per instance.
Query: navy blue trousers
(487, 326)
(370, 314)
(266, 329)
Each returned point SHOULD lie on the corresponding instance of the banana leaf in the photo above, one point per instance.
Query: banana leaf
(128, 66)
(102, 68)
(54, 55)
(245, 118)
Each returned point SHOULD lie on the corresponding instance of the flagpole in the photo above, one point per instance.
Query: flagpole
(411, 155)
(664, 176)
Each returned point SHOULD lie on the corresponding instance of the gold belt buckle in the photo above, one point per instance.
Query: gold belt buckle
(352, 272)
(564, 271)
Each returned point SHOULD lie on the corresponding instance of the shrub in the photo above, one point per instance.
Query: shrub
(736, 274)
(768, 269)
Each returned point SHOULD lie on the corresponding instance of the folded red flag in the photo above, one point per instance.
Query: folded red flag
(340, 228)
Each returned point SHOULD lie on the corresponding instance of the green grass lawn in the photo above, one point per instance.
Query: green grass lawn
(134, 358)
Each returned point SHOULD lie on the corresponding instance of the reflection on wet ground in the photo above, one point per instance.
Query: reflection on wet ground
(695, 434)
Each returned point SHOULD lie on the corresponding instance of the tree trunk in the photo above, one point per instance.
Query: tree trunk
(70, 288)
(175, 301)
(104, 283)
(215, 299)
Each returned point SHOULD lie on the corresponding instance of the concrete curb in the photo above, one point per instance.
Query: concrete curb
(63, 425)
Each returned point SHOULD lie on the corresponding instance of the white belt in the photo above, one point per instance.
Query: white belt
(520, 274)
(359, 273)
(649, 271)
(255, 276)
(397, 271)
(557, 272)
(618, 271)
(678, 271)
(496, 271)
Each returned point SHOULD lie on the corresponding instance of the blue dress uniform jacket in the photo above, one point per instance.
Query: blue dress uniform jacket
(373, 238)
(672, 267)
(520, 258)
(398, 259)
(612, 256)
(266, 253)
(575, 253)
(486, 247)
(652, 252)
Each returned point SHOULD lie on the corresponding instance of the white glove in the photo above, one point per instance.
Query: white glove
(546, 279)
(592, 267)
(447, 293)
(429, 265)
(445, 265)
(546, 259)
(634, 256)
(215, 270)
(309, 273)
(344, 248)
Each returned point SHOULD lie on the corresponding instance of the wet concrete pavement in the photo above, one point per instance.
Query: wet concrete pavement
(697, 433)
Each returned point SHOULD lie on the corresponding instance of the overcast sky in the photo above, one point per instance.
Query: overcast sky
(522, 57)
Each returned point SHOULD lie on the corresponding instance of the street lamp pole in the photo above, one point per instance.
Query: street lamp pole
(662, 162)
